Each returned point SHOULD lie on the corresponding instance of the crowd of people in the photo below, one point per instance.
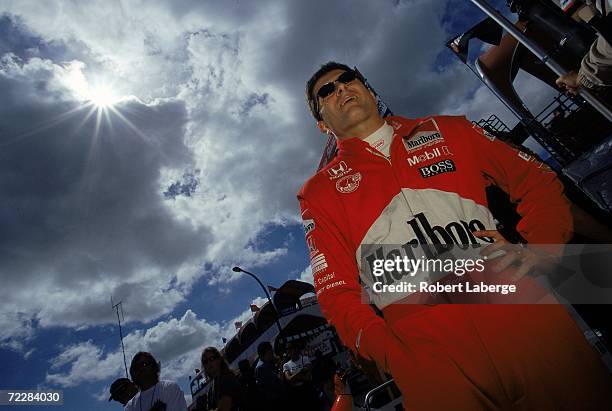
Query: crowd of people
(292, 380)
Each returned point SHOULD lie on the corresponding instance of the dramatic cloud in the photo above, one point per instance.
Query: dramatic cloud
(83, 216)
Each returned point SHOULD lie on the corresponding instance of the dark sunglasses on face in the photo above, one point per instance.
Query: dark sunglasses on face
(210, 358)
(329, 88)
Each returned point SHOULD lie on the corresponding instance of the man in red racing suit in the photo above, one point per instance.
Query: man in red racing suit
(424, 183)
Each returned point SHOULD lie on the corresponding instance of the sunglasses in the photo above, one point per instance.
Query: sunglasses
(209, 359)
(329, 88)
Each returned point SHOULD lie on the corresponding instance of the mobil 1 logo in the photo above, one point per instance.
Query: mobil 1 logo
(444, 166)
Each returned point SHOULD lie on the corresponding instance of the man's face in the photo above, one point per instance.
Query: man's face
(144, 372)
(349, 105)
(292, 352)
(269, 356)
(212, 364)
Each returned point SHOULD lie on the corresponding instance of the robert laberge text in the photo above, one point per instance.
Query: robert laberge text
(425, 287)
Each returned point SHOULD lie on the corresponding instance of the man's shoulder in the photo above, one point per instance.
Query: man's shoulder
(318, 182)
(262, 365)
(131, 404)
(169, 385)
(399, 121)
(228, 378)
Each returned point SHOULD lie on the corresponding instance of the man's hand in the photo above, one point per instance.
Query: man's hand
(158, 406)
(526, 259)
(569, 82)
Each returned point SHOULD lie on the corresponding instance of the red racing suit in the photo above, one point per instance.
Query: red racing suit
(432, 190)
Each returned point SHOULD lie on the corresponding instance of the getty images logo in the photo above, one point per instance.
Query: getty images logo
(429, 155)
(431, 240)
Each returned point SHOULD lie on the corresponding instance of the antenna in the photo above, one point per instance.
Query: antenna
(119, 307)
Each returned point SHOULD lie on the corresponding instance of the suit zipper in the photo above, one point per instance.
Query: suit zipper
(378, 154)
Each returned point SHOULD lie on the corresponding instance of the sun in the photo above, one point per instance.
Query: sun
(101, 96)
(97, 92)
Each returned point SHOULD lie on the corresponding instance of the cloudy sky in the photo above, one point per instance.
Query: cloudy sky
(192, 168)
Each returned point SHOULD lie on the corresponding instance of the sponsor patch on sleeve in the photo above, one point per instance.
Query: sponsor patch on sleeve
(489, 136)
(348, 184)
(312, 248)
(318, 263)
(309, 225)
(338, 170)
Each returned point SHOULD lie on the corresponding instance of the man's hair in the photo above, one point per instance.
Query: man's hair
(311, 100)
(148, 356)
(263, 348)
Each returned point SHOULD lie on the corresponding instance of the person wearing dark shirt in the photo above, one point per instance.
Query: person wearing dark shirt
(225, 392)
(267, 377)
(247, 381)
(323, 371)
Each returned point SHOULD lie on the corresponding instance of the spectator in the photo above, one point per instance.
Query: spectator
(595, 71)
(298, 374)
(154, 395)
(323, 371)
(225, 392)
(247, 381)
(267, 377)
(122, 390)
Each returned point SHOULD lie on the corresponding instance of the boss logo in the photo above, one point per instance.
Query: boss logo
(444, 166)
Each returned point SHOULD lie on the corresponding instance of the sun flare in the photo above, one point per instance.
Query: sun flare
(96, 92)
(101, 96)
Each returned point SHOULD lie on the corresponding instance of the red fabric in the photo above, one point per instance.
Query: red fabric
(442, 357)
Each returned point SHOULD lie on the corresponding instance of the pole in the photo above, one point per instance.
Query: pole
(116, 308)
(541, 54)
(240, 270)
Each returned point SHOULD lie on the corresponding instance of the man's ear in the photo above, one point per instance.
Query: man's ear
(322, 126)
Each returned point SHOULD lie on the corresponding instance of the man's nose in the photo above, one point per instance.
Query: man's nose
(340, 88)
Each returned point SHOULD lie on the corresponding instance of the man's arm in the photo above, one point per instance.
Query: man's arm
(287, 372)
(545, 211)
(595, 71)
(596, 67)
(336, 280)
